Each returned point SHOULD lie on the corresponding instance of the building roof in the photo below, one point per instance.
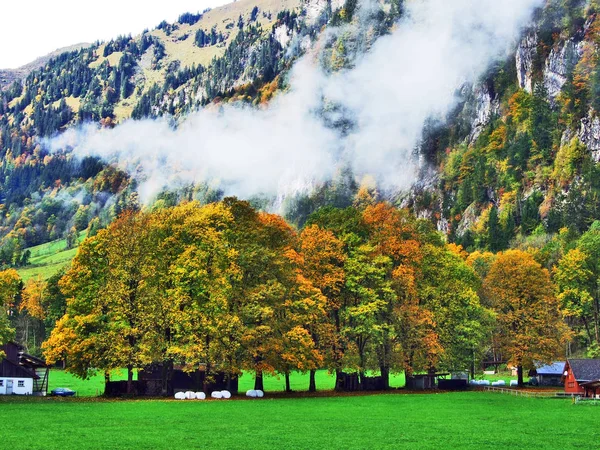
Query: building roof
(585, 369)
(591, 384)
(556, 368)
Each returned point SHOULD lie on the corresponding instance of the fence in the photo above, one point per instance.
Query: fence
(520, 393)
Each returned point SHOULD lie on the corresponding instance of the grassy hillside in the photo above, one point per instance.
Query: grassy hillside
(431, 421)
(47, 259)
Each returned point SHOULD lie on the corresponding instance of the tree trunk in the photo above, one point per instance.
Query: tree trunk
(287, 383)
(106, 380)
(339, 381)
(129, 379)
(312, 384)
(597, 333)
(258, 381)
(520, 375)
(361, 379)
(166, 375)
(473, 365)
(385, 375)
(207, 375)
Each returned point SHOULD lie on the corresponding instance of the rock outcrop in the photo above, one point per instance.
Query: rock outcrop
(525, 56)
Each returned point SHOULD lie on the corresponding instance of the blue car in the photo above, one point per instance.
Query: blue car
(63, 392)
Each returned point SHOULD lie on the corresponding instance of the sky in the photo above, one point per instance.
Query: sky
(33, 28)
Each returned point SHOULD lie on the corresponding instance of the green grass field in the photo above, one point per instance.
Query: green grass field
(298, 381)
(47, 259)
(417, 421)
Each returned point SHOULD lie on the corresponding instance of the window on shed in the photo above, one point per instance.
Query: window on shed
(21, 383)
(1, 383)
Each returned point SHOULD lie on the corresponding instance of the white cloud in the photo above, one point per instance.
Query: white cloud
(405, 78)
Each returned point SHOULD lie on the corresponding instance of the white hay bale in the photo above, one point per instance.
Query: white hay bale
(251, 393)
(484, 383)
(189, 395)
(216, 394)
(200, 396)
(514, 383)
(180, 396)
(260, 394)
(501, 383)
(225, 394)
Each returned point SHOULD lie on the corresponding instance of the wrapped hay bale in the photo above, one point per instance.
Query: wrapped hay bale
(189, 395)
(180, 396)
(216, 394)
(514, 383)
(501, 383)
(225, 394)
(484, 383)
(200, 396)
(260, 394)
(251, 393)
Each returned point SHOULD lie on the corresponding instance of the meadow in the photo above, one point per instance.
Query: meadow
(94, 386)
(425, 421)
(49, 258)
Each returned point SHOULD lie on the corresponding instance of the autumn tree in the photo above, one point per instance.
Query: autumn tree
(31, 309)
(322, 259)
(10, 284)
(448, 288)
(111, 315)
(529, 324)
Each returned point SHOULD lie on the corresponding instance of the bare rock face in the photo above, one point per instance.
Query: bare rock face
(558, 64)
(524, 58)
(589, 134)
(486, 106)
(469, 218)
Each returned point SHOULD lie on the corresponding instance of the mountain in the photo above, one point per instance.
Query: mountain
(9, 76)
(513, 162)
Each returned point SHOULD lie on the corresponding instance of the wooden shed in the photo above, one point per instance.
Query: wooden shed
(549, 374)
(424, 381)
(580, 371)
(22, 374)
(591, 389)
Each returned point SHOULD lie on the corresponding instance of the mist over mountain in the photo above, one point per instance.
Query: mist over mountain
(477, 115)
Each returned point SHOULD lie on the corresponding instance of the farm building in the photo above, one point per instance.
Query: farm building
(420, 382)
(22, 374)
(151, 382)
(580, 371)
(549, 374)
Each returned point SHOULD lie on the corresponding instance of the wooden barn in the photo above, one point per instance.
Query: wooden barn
(425, 381)
(22, 374)
(549, 374)
(578, 372)
(153, 381)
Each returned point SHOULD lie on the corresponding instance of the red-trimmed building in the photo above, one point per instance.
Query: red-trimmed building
(578, 372)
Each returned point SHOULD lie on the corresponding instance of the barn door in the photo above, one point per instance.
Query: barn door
(9, 387)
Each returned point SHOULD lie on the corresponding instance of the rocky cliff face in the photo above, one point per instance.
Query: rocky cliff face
(559, 63)
(589, 134)
(526, 52)
(486, 106)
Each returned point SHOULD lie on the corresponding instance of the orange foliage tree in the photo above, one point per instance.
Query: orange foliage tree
(529, 323)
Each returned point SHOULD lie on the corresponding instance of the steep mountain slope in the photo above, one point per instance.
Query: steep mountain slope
(520, 155)
(9, 76)
(517, 157)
